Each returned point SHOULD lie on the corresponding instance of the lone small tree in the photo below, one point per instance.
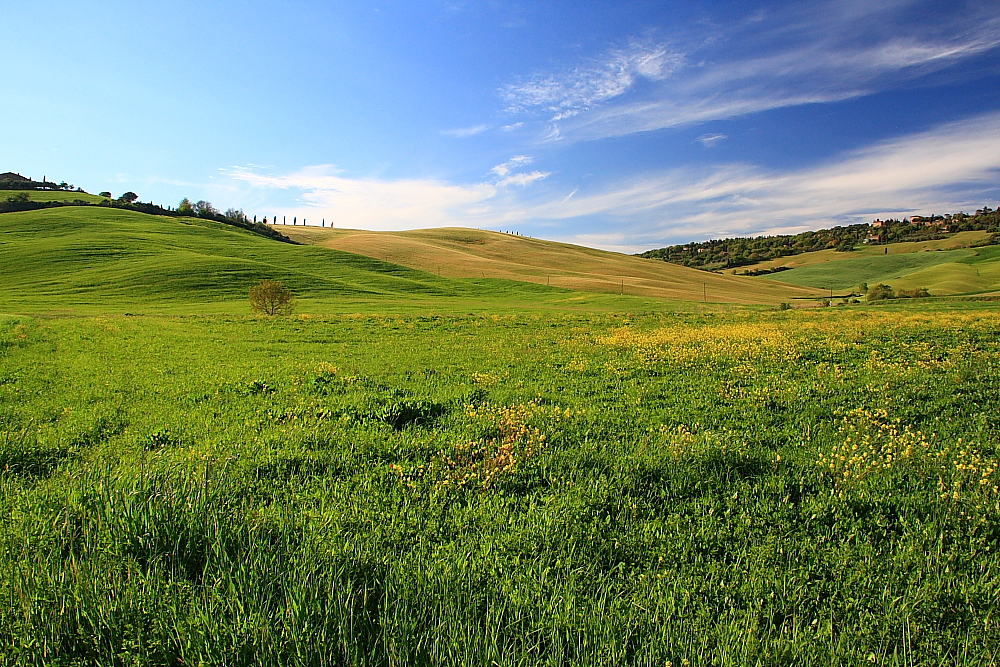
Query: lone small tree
(271, 297)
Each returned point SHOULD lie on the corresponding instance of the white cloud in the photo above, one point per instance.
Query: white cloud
(523, 180)
(709, 140)
(512, 127)
(806, 54)
(947, 168)
(373, 203)
(506, 176)
(464, 132)
(510, 165)
(568, 93)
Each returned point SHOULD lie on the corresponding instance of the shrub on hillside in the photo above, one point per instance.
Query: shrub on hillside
(880, 292)
(271, 297)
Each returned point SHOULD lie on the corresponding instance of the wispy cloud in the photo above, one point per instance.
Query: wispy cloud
(523, 179)
(709, 140)
(510, 165)
(465, 132)
(568, 93)
(506, 176)
(808, 53)
(950, 167)
(374, 203)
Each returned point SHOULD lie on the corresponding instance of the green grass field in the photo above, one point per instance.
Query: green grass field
(53, 195)
(420, 470)
(976, 273)
(944, 267)
(516, 490)
(847, 273)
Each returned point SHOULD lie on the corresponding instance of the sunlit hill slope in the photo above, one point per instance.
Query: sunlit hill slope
(95, 258)
(471, 253)
(950, 266)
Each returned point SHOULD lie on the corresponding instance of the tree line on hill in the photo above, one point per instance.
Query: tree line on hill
(721, 254)
(130, 201)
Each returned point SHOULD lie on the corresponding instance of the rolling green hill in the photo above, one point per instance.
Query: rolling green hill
(943, 272)
(87, 259)
(81, 258)
(873, 269)
(951, 242)
(976, 273)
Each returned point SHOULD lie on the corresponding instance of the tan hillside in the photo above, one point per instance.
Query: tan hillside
(472, 253)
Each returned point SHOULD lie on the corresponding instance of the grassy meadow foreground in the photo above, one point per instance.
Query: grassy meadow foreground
(774, 488)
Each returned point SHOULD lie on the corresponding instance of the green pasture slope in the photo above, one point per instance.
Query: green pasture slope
(480, 483)
(93, 260)
(53, 195)
(979, 272)
(942, 272)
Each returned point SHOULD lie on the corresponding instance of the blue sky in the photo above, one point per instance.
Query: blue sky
(621, 125)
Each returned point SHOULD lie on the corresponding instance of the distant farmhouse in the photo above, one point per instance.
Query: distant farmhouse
(11, 176)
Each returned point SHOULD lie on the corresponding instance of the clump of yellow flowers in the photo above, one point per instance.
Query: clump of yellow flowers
(510, 438)
(872, 443)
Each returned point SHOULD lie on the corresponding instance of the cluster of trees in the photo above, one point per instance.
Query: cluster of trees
(233, 216)
(764, 272)
(201, 209)
(881, 292)
(735, 252)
